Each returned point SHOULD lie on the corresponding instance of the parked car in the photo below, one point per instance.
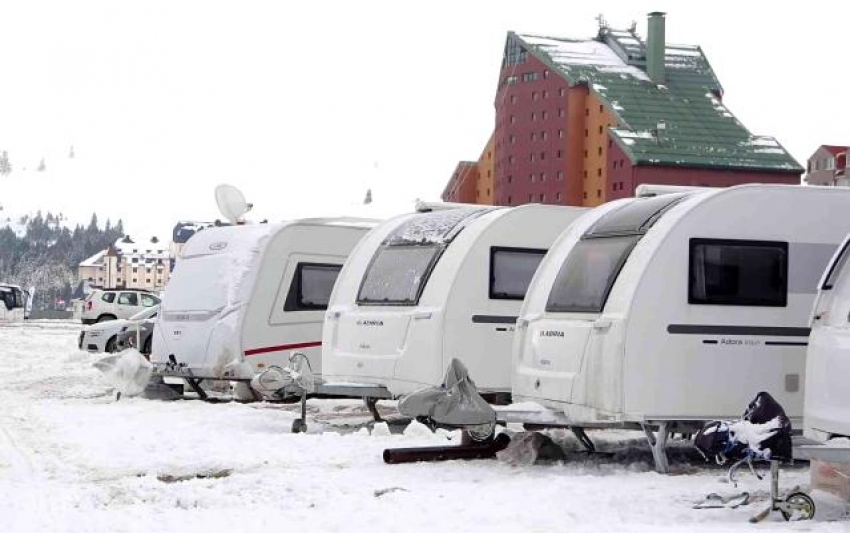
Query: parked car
(112, 304)
(103, 336)
(138, 336)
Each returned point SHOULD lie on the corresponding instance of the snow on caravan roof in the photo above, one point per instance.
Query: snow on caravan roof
(434, 227)
(228, 239)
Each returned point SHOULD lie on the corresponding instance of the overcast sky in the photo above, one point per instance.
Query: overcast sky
(305, 105)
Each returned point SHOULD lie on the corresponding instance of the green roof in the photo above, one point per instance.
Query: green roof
(698, 130)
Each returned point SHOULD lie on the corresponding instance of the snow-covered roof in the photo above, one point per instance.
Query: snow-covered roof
(95, 260)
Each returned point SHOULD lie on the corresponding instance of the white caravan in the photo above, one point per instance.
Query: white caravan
(827, 406)
(678, 308)
(424, 288)
(15, 303)
(243, 297)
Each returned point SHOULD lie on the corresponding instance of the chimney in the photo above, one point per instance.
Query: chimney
(655, 46)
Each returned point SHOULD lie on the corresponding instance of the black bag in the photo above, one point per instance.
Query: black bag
(762, 410)
(714, 442)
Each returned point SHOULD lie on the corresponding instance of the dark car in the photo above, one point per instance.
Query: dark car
(141, 340)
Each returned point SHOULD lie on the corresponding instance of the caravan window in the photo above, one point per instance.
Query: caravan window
(397, 275)
(8, 298)
(735, 272)
(311, 287)
(511, 270)
(586, 277)
(836, 267)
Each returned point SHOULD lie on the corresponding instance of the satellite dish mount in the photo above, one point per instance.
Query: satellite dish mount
(231, 202)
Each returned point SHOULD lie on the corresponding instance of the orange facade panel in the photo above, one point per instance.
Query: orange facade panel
(595, 151)
(486, 173)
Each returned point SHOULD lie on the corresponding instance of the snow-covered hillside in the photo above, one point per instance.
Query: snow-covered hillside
(73, 459)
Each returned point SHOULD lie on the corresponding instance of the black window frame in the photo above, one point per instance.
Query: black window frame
(697, 241)
(612, 278)
(295, 297)
(109, 293)
(510, 249)
(836, 267)
(129, 293)
(426, 276)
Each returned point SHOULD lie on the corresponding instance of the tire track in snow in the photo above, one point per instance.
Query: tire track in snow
(29, 495)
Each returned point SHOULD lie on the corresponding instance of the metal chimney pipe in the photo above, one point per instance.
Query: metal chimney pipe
(655, 46)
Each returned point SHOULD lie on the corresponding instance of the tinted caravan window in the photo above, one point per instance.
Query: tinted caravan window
(836, 267)
(311, 287)
(397, 275)
(511, 270)
(734, 272)
(589, 272)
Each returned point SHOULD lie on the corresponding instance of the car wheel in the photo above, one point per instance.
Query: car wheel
(110, 345)
(105, 318)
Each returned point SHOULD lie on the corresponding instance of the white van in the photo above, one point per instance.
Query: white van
(243, 297)
(426, 287)
(15, 303)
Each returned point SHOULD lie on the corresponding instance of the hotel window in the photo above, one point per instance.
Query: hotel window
(510, 179)
(560, 134)
(545, 92)
(599, 151)
(509, 200)
(531, 177)
(533, 116)
(559, 154)
(511, 159)
(598, 193)
(512, 139)
(542, 156)
(543, 135)
(530, 197)
(600, 108)
(513, 119)
(513, 98)
(585, 132)
(599, 172)
(585, 154)
(545, 76)
(534, 95)
(558, 196)
(600, 130)
(531, 157)
(561, 113)
(585, 195)
(560, 175)
(562, 91)
(533, 136)
(545, 115)
(542, 197)
(542, 176)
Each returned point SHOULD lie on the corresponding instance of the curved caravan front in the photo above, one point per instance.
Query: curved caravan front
(424, 288)
(678, 307)
(827, 406)
(243, 298)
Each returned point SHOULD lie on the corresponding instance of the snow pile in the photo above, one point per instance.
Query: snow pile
(753, 435)
(128, 372)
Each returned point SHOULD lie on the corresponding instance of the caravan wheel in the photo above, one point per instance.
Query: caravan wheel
(798, 506)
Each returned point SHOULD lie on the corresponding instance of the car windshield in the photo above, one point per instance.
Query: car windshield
(837, 267)
(147, 313)
(397, 275)
(200, 283)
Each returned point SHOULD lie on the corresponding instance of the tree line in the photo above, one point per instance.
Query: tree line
(46, 256)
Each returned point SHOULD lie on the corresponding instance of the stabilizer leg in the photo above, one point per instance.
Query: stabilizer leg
(583, 439)
(372, 406)
(658, 444)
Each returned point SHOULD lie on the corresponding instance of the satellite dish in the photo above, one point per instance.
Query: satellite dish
(231, 202)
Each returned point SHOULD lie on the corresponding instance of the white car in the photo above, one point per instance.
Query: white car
(103, 336)
(111, 304)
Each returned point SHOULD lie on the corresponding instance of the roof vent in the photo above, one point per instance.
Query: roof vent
(655, 46)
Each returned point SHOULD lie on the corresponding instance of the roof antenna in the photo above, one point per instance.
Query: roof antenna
(633, 27)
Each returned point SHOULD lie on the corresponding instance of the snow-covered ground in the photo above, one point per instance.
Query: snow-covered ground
(74, 459)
